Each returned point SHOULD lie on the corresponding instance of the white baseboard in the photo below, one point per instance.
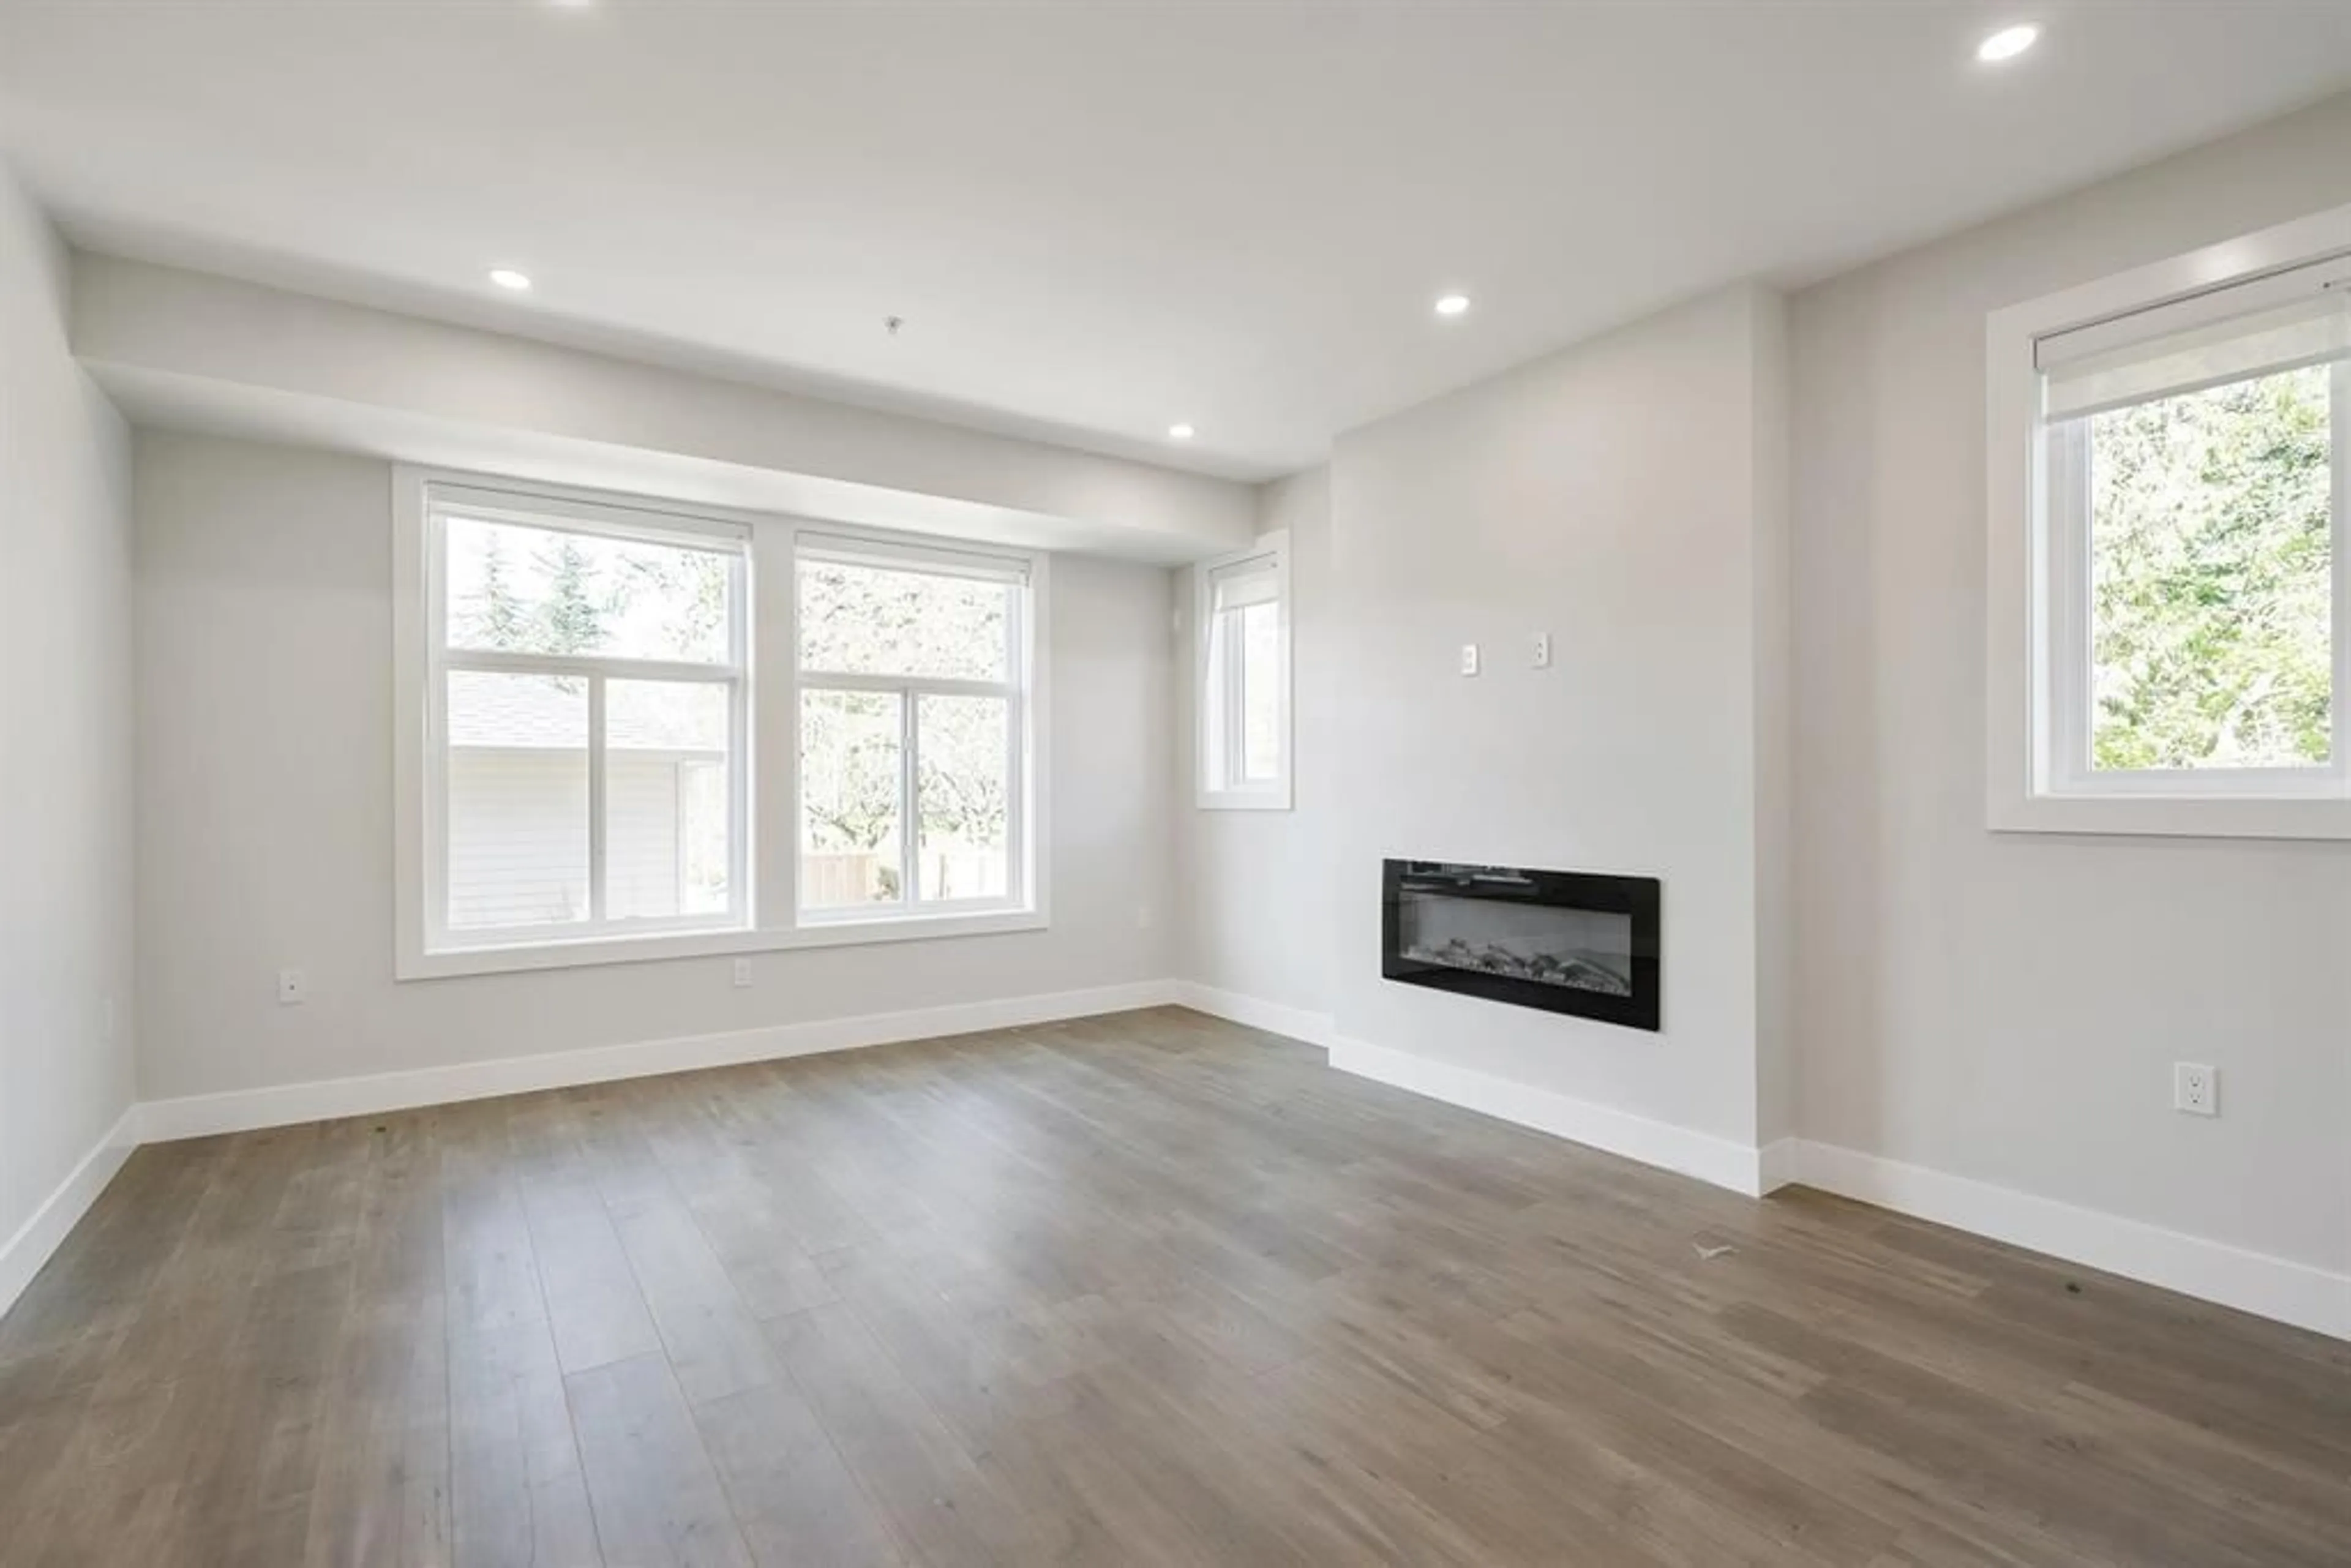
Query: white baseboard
(39, 1236)
(1700, 1154)
(199, 1115)
(1781, 1160)
(1298, 1023)
(2269, 1287)
(2275, 1288)
(2213, 1271)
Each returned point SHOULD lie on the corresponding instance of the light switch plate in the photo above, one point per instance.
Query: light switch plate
(1468, 658)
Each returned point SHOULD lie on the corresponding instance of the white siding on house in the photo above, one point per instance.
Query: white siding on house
(518, 835)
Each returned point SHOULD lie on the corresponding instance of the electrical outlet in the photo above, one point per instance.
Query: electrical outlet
(1468, 658)
(293, 988)
(742, 973)
(1542, 650)
(2195, 1088)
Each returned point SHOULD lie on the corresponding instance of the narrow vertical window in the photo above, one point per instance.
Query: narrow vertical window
(1243, 662)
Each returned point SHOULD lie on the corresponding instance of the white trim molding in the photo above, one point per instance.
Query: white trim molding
(1719, 1161)
(1274, 1017)
(38, 1238)
(286, 1105)
(2275, 1288)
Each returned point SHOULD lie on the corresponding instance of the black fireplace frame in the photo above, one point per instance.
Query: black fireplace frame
(1640, 897)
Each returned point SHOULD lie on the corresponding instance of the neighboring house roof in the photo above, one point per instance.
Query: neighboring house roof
(533, 713)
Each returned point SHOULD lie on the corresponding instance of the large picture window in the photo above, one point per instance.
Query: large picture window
(911, 673)
(587, 718)
(2186, 562)
(588, 687)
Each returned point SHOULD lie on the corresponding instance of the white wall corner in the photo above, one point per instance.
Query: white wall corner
(1719, 1161)
(1777, 1164)
(2275, 1288)
(1298, 1023)
(38, 1238)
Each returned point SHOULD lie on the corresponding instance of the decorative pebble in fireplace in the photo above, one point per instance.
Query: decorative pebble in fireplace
(1567, 942)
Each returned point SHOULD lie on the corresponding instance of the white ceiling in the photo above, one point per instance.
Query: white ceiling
(1097, 220)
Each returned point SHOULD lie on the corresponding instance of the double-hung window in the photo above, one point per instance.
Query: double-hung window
(1242, 667)
(586, 714)
(637, 729)
(913, 679)
(2187, 563)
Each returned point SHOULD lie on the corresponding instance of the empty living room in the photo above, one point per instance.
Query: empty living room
(987, 783)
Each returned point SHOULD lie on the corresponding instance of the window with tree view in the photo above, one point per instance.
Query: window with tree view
(588, 705)
(912, 684)
(2196, 463)
(588, 685)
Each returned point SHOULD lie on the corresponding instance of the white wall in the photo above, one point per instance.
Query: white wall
(65, 734)
(1614, 495)
(265, 808)
(2008, 1007)
(1256, 894)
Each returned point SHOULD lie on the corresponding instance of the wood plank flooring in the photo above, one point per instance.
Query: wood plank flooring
(1147, 1288)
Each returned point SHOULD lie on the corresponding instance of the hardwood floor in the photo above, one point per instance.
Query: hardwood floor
(1134, 1289)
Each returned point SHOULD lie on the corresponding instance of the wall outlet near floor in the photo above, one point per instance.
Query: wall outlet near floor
(1468, 658)
(1542, 650)
(2195, 1088)
(742, 973)
(293, 988)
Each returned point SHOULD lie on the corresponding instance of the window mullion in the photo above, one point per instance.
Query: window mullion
(2338, 699)
(910, 859)
(2070, 611)
(1231, 634)
(597, 896)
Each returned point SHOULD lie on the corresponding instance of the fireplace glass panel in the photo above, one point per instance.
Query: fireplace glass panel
(1588, 950)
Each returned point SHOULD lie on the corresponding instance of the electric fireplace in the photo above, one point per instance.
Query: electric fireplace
(1566, 942)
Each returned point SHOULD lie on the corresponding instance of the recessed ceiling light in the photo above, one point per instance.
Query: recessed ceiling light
(1179, 432)
(2007, 43)
(507, 278)
(1452, 304)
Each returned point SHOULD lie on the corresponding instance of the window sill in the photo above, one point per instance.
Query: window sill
(2307, 817)
(653, 947)
(1244, 799)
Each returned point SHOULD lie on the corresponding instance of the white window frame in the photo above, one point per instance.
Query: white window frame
(1218, 729)
(2037, 696)
(765, 742)
(861, 549)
